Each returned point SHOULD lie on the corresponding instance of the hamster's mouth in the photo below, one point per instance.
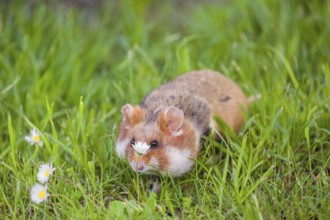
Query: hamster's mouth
(138, 167)
(142, 168)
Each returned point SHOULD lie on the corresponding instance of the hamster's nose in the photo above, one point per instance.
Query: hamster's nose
(139, 166)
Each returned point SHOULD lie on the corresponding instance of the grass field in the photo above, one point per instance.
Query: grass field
(66, 72)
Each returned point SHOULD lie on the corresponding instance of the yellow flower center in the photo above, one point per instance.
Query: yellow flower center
(47, 173)
(42, 194)
(36, 138)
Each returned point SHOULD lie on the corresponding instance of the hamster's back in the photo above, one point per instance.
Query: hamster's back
(201, 95)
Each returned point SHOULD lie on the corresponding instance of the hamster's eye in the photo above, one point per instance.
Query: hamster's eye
(133, 141)
(154, 143)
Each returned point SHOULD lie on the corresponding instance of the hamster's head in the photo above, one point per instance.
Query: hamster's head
(164, 143)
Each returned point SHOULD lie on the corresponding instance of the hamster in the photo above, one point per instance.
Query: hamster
(162, 134)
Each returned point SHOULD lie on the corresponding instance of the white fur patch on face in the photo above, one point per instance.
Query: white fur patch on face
(179, 160)
(121, 147)
(141, 147)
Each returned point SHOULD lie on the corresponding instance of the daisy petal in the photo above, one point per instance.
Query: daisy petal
(44, 172)
(38, 193)
(141, 148)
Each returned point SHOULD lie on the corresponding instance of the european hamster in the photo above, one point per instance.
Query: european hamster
(162, 134)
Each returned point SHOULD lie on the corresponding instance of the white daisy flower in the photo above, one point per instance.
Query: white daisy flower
(34, 138)
(44, 172)
(38, 193)
(140, 147)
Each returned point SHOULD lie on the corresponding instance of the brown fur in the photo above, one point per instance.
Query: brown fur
(201, 95)
(177, 113)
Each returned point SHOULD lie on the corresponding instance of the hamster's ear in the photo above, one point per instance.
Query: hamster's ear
(172, 120)
(132, 115)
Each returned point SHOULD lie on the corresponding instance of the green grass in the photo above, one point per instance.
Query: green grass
(67, 72)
